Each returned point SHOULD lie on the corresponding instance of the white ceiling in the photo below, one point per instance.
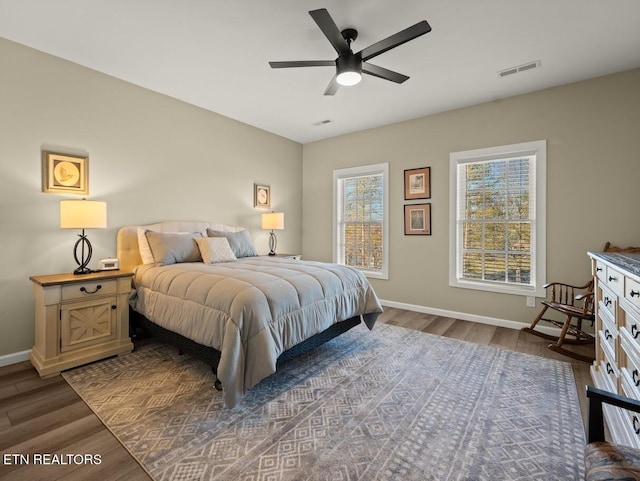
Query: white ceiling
(215, 53)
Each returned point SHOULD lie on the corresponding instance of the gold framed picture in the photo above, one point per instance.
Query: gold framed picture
(417, 219)
(65, 173)
(261, 196)
(417, 183)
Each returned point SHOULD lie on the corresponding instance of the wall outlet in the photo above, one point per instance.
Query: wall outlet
(531, 301)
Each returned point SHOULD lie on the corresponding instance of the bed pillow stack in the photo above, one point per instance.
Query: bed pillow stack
(240, 242)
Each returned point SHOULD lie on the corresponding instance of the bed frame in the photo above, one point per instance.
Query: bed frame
(129, 256)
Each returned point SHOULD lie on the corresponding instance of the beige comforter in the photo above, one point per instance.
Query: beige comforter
(251, 310)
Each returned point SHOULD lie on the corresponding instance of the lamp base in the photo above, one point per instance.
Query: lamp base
(84, 259)
(273, 242)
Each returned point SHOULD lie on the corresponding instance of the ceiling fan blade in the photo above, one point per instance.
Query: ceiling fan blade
(330, 30)
(332, 88)
(303, 63)
(383, 73)
(395, 40)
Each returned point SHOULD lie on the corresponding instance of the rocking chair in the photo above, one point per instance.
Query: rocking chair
(576, 304)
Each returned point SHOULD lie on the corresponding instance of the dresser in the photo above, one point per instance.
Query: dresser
(79, 319)
(617, 364)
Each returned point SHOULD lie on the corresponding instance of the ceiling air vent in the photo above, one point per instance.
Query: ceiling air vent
(519, 68)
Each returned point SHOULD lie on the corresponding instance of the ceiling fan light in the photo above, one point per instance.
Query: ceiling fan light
(348, 78)
(349, 70)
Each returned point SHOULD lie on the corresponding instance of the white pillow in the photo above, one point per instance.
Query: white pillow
(215, 249)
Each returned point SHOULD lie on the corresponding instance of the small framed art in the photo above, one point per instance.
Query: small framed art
(417, 219)
(417, 183)
(65, 173)
(261, 196)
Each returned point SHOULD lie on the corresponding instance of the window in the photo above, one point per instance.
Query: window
(497, 219)
(360, 199)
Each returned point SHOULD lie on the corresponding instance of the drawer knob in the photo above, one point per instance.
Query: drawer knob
(634, 375)
(635, 425)
(613, 279)
(634, 331)
(608, 335)
(84, 289)
(598, 269)
(114, 307)
(609, 369)
(634, 293)
(607, 301)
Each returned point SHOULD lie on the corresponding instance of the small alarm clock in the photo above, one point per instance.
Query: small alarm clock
(108, 264)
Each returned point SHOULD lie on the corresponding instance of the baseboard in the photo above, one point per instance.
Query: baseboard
(14, 358)
(493, 321)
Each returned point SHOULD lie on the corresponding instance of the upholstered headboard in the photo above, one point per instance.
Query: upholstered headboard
(127, 241)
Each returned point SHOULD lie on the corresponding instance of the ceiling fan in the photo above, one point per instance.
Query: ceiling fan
(350, 66)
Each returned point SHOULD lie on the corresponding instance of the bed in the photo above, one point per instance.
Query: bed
(201, 287)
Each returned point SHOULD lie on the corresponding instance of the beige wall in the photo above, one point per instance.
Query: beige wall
(593, 169)
(152, 158)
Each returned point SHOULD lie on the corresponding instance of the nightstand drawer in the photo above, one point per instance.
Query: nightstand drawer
(84, 290)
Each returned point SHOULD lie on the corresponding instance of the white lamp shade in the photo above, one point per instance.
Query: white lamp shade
(83, 214)
(273, 221)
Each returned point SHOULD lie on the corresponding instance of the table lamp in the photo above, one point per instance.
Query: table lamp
(83, 214)
(273, 221)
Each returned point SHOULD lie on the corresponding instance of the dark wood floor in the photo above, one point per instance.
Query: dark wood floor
(46, 416)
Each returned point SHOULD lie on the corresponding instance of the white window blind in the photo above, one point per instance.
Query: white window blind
(497, 219)
(360, 238)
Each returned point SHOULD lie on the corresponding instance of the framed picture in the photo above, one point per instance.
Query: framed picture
(417, 219)
(65, 173)
(261, 196)
(417, 183)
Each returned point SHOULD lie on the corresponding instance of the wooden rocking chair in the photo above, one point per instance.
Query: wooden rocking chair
(576, 304)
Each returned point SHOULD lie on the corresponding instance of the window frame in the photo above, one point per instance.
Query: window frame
(365, 170)
(538, 149)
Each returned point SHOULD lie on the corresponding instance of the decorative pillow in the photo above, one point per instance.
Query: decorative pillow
(143, 246)
(173, 248)
(215, 249)
(240, 242)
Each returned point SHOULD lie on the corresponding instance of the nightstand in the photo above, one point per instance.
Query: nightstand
(79, 319)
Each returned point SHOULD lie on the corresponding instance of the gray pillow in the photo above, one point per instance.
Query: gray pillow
(240, 242)
(173, 248)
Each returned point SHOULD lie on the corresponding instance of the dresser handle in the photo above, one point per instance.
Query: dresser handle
(609, 369)
(83, 289)
(114, 307)
(607, 301)
(634, 331)
(636, 381)
(634, 293)
(635, 425)
(598, 269)
(608, 335)
(614, 279)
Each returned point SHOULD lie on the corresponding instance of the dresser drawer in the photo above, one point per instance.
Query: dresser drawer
(630, 370)
(601, 270)
(631, 420)
(632, 291)
(614, 281)
(85, 290)
(610, 374)
(608, 302)
(608, 336)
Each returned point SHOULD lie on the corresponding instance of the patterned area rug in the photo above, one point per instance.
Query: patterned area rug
(392, 404)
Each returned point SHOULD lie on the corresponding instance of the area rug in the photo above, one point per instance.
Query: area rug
(387, 404)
